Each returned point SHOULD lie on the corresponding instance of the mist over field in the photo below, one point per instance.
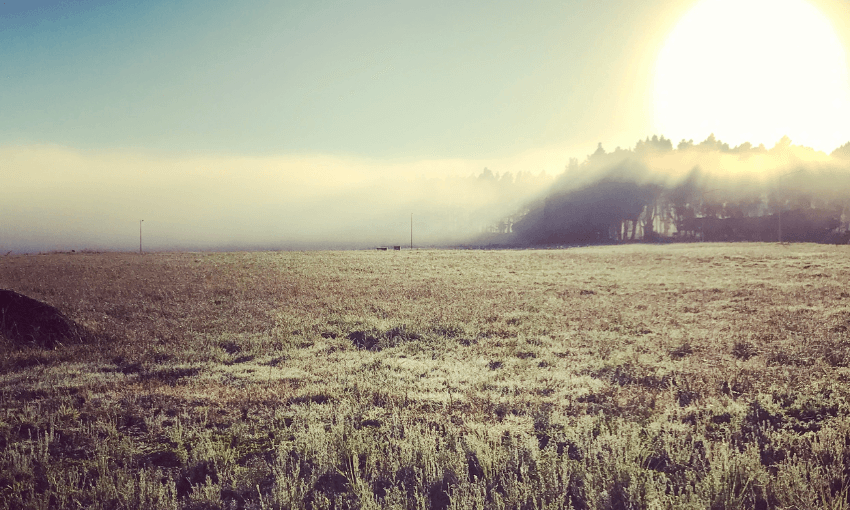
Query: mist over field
(64, 199)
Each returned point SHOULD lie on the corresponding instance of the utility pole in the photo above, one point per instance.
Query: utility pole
(411, 231)
(140, 236)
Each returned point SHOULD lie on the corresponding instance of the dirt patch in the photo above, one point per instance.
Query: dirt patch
(27, 322)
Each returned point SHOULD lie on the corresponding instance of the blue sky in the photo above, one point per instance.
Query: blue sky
(373, 78)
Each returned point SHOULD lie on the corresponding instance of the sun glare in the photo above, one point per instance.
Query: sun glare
(754, 70)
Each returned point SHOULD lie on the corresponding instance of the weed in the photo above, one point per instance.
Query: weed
(682, 351)
(744, 350)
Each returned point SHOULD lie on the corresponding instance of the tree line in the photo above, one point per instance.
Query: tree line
(706, 191)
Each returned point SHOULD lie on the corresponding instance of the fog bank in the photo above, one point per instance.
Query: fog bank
(61, 199)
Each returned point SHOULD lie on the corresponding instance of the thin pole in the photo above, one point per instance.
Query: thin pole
(140, 236)
(411, 231)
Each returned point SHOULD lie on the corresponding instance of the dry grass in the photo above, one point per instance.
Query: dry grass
(678, 376)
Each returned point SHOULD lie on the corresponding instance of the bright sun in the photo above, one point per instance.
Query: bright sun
(754, 70)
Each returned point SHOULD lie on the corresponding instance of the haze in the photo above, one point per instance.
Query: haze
(311, 125)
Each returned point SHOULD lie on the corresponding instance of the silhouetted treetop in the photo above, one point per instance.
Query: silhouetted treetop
(842, 152)
(704, 191)
(598, 153)
(713, 144)
(654, 144)
(487, 175)
(685, 144)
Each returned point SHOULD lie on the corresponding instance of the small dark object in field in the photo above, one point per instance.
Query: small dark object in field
(132, 424)
(683, 350)
(170, 376)
(328, 334)
(162, 459)
(28, 431)
(196, 474)
(32, 361)
(362, 340)
(304, 399)
(332, 483)
(690, 419)
(587, 293)
(744, 350)
(440, 492)
(770, 457)
(380, 487)
(685, 397)
(407, 479)
(240, 359)
(372, 423)
(592, 398)
(26, 321)
(129, 368)
(661, 462)
(401, 333)
(275, 361)
(495, 365)
(230, 347)
(721, 418)
(474, 470)
(160, 357)
(573, 451)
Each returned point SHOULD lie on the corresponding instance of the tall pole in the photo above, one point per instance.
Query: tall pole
(140, 236)
(411, 231)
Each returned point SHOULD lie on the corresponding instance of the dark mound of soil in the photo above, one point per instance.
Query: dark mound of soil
(27, 322)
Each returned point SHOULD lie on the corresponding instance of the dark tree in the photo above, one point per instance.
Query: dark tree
(842, 152)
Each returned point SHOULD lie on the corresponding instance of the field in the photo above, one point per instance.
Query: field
(621, 377)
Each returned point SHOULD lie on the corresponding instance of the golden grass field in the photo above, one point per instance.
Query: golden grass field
(616, 377)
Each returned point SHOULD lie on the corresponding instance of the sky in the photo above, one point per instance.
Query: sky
(327, 119)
